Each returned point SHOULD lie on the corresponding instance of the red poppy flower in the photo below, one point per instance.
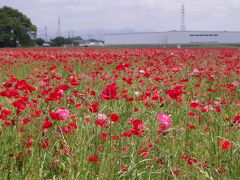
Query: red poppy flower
(93, 107)
(29, 143)
(47, 124)
(60, 114)
(110, 92)
(175, 93)
(114, 117)
(104, 136)
(45, 144)
(93, 159)
(225, 144)
(138, 127)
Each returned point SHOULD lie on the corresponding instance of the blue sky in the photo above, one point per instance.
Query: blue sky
(139, 15)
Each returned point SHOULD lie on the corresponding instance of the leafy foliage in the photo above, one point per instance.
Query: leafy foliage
(60, 41)
(40, 41)
(15, 28)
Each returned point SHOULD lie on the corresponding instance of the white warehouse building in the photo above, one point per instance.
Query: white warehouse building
(173, 37)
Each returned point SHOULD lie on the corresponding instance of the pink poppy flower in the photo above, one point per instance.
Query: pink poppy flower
(102, 116)
(60, 114)
(165, 121)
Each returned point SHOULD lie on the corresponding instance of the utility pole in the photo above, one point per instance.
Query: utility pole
(59, 27)
(183, 26)
(46, 34)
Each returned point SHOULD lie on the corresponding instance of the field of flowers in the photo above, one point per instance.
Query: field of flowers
(119, 114)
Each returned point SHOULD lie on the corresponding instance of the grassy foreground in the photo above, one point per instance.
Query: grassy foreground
(119, 114)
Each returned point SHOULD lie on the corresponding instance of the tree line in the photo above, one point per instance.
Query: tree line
(17, 30)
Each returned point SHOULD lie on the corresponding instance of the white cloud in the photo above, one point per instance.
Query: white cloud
(159, 15)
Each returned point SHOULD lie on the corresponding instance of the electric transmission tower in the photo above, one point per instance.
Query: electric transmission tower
(46, 34)
(183, 26)
(59, 27)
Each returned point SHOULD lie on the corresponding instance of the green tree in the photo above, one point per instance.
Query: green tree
(40, 41)
(15, 28)
(58, 41)
(77, 40)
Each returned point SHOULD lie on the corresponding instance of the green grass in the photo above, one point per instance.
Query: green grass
(68, 153)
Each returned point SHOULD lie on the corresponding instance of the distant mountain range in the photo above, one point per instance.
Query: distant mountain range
(97, 33)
